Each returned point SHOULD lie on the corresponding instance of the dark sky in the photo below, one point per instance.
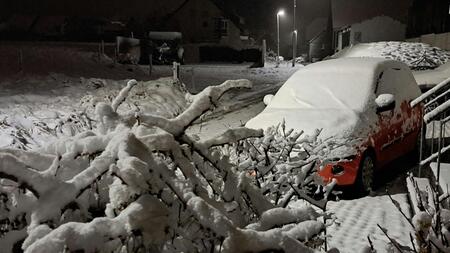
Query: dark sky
(260, 15)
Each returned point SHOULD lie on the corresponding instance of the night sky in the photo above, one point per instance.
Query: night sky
(259, 15)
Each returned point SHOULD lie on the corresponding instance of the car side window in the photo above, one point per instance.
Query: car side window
(391, 82)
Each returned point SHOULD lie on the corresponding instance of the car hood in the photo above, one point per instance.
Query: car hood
(345, 128)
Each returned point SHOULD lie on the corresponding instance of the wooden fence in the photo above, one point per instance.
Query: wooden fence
(441, 40)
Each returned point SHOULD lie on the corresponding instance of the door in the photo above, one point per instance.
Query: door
(390, 123)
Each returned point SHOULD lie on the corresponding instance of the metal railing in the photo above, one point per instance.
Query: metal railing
(436, 111)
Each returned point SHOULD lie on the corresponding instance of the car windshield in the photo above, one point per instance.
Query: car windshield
(333, 88)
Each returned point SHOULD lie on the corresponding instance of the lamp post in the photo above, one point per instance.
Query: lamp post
(294, 47)
(279, 14)
(294, 36)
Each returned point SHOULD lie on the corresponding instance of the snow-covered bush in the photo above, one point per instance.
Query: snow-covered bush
(418, 56)
(281, 163)
(431, 220)
(139, 183)
(30, 132)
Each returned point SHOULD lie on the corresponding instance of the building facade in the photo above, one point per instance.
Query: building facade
(380, 28)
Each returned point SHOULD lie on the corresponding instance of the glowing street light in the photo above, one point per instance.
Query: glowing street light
(279, 14)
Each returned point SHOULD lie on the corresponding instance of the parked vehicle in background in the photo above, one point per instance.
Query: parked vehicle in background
(165, 47)
(361, 108)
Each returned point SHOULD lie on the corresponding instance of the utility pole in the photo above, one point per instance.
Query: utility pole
(294, 36)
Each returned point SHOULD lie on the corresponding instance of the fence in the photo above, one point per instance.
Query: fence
(441, 40)
(436, 112)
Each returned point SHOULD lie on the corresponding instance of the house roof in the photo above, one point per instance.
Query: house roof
(316, 27)
(348, 12)
(227, 14)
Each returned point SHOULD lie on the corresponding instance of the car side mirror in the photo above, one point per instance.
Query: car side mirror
(267, 99)
(385, 102)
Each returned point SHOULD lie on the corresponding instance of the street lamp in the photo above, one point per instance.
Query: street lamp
(294, 47)
(279, 14)
(294, 36)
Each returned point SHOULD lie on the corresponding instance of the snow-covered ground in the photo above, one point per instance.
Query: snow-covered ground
(429, 78)
(358, 219)
(199, 76)
(40, 107)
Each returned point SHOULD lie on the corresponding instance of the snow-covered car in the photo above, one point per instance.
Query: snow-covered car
(361, 108)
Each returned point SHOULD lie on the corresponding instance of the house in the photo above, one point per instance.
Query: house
(204, 24)
(380, 28)
(319, 35)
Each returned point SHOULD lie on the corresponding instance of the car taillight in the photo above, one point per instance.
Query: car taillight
(337, 169)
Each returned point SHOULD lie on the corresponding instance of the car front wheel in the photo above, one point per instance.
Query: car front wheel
(366, 173)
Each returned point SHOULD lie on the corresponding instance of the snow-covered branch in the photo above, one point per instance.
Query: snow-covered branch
(129, 187)
(230, 136)
(147, 214)
(200, 104)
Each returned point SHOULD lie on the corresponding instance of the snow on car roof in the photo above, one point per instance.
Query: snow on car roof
(334, 96)
(334, 84)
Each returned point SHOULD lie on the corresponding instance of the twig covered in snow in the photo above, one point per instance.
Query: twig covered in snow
(125, 187)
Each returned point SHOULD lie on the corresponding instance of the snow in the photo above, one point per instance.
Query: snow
(310, 99)
(420, 194)
(384, 100)
(279, 216)
(418, 56)
(317, 97)
(357, 219)
(53, 98)
(436, 111)
(424, 96)
(429, 78)
(411, 53)
(444, 178)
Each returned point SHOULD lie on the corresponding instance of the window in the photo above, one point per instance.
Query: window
(221, 27)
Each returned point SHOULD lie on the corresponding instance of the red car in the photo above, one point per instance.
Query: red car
(361, 106)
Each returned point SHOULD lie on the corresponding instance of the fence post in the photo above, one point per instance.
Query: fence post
(423, 137)
(103, 47)
(176, 71)
(193, 79)
(264, 50)
(150, 64)
(441, 133)
(116, 56)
